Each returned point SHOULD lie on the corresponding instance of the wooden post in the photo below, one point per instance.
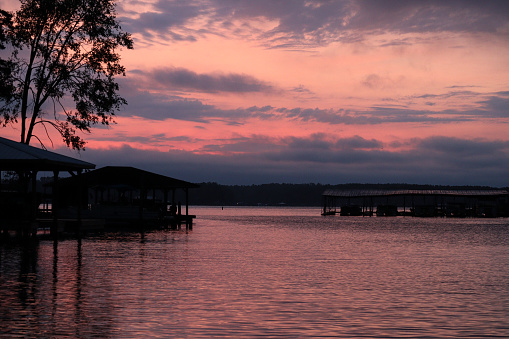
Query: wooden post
(34, 204)
(143, 195)
(165, 202)
(3, 228)
(80, 192)
(187, 201)
(189, 221)
(54, 207)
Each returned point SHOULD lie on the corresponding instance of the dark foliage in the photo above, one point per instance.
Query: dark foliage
(59, 49)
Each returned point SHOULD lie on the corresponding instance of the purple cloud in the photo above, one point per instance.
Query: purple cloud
(303, 23)
(435, 160)
(160, 107)
(184, 79)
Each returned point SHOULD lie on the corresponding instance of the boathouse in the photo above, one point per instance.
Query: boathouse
(20, 198)
(417, 202)
(127, 196)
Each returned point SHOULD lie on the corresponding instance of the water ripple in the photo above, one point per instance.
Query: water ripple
(268, 273)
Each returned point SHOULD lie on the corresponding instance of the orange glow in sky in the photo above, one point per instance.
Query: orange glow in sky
(355, 81)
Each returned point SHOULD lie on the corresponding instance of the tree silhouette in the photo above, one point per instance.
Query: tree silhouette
(60, 49)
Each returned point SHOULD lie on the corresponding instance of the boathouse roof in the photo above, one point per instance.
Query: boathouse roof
(345, 193)
(17, 156)
(130, 177)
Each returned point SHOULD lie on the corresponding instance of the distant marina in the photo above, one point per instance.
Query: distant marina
(455, 203)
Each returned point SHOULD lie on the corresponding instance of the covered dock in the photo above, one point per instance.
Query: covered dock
(20, 198)
(86, 200)
(417, 202)
(127, 196)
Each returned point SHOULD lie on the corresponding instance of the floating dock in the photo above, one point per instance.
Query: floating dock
(418, 203)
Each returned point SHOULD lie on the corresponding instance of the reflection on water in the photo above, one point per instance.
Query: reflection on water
(265, 272)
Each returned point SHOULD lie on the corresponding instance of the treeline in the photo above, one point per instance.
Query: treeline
(214, 194)
(266, 194)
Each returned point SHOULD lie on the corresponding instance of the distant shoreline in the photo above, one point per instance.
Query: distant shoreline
(291, 195)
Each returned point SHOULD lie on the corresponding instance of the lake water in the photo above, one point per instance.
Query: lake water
(265, 272)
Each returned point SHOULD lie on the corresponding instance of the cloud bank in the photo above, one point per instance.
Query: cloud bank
(434, 160)
(302, 23)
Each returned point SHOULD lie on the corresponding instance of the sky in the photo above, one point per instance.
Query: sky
(251, 92)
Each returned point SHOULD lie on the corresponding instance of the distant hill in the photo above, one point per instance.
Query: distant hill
(214, 194)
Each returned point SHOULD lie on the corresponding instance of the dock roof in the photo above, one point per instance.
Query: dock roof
(17, 156)
(130, 177)
(356, 193)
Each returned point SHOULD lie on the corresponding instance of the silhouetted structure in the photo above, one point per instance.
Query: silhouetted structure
(126, 196)
(109, 196)
(419, 203)
(19, 200)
